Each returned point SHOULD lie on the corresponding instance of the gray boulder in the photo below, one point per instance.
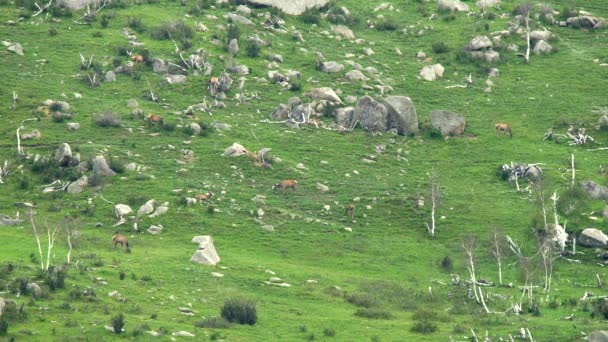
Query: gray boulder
(595, 190)
(101, 167)
(34, 289)
(432, 72)
(486, 3)
(63, 154)
(598, 336)
(401, 114)
(344, 116)
(356, 75)
(452, 5)
(77, 4)
(6, 220)
(175, 79)
(371, 114)
(324, 93)
(206, 253)
(603, 121)
(159, 66)
(73, 126)
(281, 112)
(225, 82)
(541, 35)
(155, 230)
(605, 214)
(344, 31)
(492, 56)
(331, 67)
(233, 47)
(479, 43)
(110, 76)
(275, 58)
(294, 7)
(238, 19)
(592, 237)
(78, 185)
(196, 128)
(243, 10)
(448, 123)
(16, 48)
(239, 69)
(542, 48)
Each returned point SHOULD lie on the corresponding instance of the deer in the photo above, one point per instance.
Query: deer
(137, 58)
(214, 84)
(204, 197)
(120, 239)
(350, 211)
(284, 184)
(504, 129)
(155, 118)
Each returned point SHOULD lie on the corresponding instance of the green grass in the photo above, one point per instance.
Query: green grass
(388, 258)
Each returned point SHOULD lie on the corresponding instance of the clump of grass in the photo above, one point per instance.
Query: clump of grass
(329, 332)
(136, 24)
(447, 263)
(311, 16)
(440, 47)
(107, 119)
(177, 31)
(424, 327)
(118, 322)
(388, 24)
(253, 50)
(361, 299)
(214, 323)
(240, 310)
(373, 313)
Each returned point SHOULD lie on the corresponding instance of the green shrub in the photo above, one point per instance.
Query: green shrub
(97, 34)
(168, 126)
(240, 310)
(440, 47)
(105, 21)
(253, 50)
(233, 31)
(312, 15)
(388, 24)
(373, 313)
(424, 327)
(107, 119)
(24, 182)
(295, 86)
(3, 326)
(214, 323)
(421, 9)
(136, 24)
(361, 299)
(53, 31)
(116, 165)
(447, 263)
(329, 332)
(118, 322)
(568, 12)
(178, 31)
(448, 17)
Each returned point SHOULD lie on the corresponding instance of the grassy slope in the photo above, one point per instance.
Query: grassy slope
(390, 244)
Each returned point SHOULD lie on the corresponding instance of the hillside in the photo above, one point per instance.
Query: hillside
(325, 92)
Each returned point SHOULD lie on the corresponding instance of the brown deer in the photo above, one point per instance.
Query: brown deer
(350, 211)
(120, 239)
(137, 58)
(284, 184)
(214, 84)
(155, 118)
(204, 197)
(504, 129)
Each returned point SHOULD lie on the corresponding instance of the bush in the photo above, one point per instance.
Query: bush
(440, 47)
(312, 15)
(233, 31)
(53, 31)
(446, 263)
(105, 21)
(24, 183)
(118, 322)
(424, 327)
(373, 313)
(387, 25)
(107, 119)
(329, 332)
(169, 127)
(136, 24)
(177, 31)
(295, 86)
(240, 310)
(253, 50)
(214, 322)
(361, 299)
(3, 327)
(116, 165)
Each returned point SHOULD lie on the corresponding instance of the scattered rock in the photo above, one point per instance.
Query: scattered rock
(233, 47)
(73, 126)
(155, 230)
(595, 190)
(217, 274)
(291, 7)
(6, 220)
(101, 167)
(371, 114)
(175, 79)
(592, 237)
(110, 76)
(401, 114)
(331, 67)
(34, 290)
(147, 208)
(344, 31)
(432, 72)
(121, 210)
(542, 48)
(63, 154)
(78, 185)
(598, 336)
(243, 10)
(324, 93)
(206, 253)
(183, 334)
(448, 123)
(356, 75)
(486, 3)
(235, 150)
(235, 18)
(368, 51)
(479, 43)
(16, 48)
(34, 134)
(452, 6)
(322, 188)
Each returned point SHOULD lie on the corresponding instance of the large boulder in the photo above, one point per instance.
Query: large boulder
(541, 35)
(344, 31)
(432, 72)
(233, 47)
(6, 220)
(293, 7)
(206, 253)
(479, 43)
(542, 48)
(486, 3)
(77, 4)
(452, 5)
(324, 93)
(78, 185)
(146, 208)
(595, 190)
(344, 116)
(159, 66)
(371, 114)
(598, 336)
(121, 210)
(401, 114)
(16, 48)
(238, 19)
(356, 75)
(281, 112)
(592, 237)
(63, 154)
(101, 167)
(331, 67)
(448, 123)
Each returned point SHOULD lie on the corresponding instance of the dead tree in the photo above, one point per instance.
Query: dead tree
(469, 245)
(19, 149)
(51, 235)
(43, 8)
(434, 196)
(498, 249)
(4, 172)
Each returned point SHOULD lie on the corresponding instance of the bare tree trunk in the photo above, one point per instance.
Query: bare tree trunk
(434, 196)
(573, 169)
(69, 233)
(527, 56)
(51, 243)
(37, 240)
(19, 150)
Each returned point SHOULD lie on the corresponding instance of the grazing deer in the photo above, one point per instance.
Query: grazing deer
(214, 84)
(155, 118)
(350, 211)
(120, 239)
(137, 58)
(504, 129)
(204, 197)
(284, 184)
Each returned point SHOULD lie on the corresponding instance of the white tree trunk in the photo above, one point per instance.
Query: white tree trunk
(19, 150)
(69, 245)
(527, 56)
(37, 241)
(573, 169)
